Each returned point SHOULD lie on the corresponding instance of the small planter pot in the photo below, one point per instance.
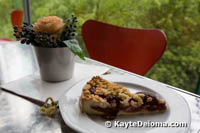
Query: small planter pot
(55, 64)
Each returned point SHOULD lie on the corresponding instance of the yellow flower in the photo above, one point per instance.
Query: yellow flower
(51, 24)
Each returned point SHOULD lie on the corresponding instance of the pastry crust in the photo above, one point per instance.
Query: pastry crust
(101, 97)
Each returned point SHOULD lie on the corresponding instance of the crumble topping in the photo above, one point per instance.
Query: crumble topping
(98, 89)
(149, 99)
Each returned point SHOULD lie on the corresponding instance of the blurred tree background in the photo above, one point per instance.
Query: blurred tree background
(180, 20)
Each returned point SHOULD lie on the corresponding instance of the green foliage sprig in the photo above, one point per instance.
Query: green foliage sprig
(65, 38)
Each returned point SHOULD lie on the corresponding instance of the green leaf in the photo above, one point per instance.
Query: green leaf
(73, 45)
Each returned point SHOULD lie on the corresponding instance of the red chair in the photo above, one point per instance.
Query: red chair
(5, 40)
(134, 50)
(17, 18)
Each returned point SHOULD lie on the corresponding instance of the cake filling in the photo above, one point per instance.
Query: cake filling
(150, 103)
(92, 89)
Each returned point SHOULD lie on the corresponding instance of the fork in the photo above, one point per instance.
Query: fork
(32, 100)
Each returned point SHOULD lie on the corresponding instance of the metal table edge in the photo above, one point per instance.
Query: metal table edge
(139, 76)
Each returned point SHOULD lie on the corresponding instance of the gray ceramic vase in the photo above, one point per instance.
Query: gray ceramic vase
(55, 64)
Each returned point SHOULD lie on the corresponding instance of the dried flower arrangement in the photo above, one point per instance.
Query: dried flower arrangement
(51, 32)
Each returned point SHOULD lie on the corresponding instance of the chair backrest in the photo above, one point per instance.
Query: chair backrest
(17, 18)
(134, 50)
